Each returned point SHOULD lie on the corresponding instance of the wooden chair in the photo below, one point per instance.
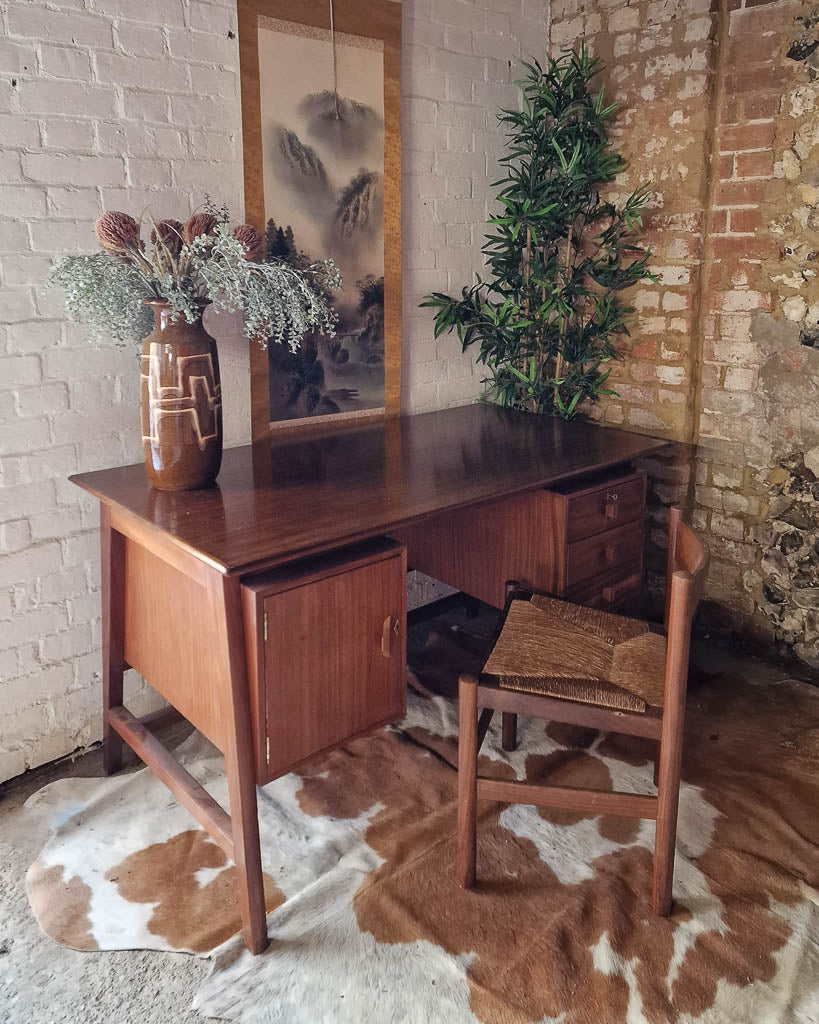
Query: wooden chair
(566, 663)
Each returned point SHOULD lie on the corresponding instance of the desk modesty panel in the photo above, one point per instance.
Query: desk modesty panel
(287, 497)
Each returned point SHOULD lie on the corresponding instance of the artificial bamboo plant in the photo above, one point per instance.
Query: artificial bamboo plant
(559, 254)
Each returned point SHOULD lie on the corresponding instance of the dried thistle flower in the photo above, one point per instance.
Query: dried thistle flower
(280, 302)
(197, 225)
(117, 232)
(251, 241)
(169, 233)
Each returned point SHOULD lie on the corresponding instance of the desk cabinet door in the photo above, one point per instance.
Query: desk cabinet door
(335, 660)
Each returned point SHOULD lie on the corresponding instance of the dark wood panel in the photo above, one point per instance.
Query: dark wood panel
(334, 659)
(287, 497)
(478, 549)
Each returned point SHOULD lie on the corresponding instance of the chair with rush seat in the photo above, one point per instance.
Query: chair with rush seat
(567, 663)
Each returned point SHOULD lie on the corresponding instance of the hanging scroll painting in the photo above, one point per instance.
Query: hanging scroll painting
(322, 167)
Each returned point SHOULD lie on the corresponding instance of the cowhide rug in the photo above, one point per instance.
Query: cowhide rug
(367, 924)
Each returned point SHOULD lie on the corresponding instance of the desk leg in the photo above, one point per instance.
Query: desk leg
(112, 551)
(240, 765)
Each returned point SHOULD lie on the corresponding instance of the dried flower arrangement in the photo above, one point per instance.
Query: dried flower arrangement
(189, 265)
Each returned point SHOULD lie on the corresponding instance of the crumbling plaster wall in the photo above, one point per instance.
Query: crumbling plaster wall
(720, 111)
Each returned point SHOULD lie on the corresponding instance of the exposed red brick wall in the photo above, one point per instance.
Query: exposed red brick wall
(723, 122)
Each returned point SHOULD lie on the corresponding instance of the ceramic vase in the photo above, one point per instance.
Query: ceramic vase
(181, 403)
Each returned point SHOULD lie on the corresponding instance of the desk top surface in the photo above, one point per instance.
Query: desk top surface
(288, 497)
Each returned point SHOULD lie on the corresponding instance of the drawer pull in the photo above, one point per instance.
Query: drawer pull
(609, 594)
(390, 626)
(609, 552)
(611, 510)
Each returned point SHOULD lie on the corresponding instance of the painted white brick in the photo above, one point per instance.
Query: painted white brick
(70, 643)
(33, 336)
(68, 134)
(155, 75)
(16, 57)
(58, 237)
(25, 499)
(65, 62)
(140, 40)
(66, 583)
(28, 563)
(33, 22)
(163, 12)
(42, 400)
(16, 304)
(15, 535)
(132, 134)
(140, 106)
(24, 436)
(210, 18)
(22, 201)
(149, 173)
(206, 81)
(203, 47)
(46, 96)
(73, 170)
(74, 203)
(19, 131)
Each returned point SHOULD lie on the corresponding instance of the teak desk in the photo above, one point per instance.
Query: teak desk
(269, 610)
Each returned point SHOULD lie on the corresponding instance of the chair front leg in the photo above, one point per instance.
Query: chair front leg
(668, 798)
(467, 780)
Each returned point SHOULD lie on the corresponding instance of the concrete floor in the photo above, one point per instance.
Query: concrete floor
(43, 983)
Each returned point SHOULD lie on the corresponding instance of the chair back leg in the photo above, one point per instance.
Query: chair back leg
(668, 798)
(467, 780)
(509, 730)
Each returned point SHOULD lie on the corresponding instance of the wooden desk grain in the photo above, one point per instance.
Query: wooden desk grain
(285, 498)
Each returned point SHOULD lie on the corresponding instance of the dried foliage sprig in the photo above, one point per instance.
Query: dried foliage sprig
(189, 265)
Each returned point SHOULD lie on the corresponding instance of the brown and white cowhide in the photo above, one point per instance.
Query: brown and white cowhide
(367, 924)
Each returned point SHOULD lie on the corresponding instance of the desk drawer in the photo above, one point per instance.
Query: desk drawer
(617, 591)
(611, 504)
(604, 551)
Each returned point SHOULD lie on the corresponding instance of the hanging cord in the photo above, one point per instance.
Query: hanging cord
(333, 48)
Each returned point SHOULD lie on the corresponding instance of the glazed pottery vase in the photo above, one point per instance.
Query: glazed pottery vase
(181, 403)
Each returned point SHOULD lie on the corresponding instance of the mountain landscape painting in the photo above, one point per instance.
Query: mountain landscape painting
(323, 168)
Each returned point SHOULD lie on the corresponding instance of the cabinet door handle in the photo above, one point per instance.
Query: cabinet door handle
(386, 630)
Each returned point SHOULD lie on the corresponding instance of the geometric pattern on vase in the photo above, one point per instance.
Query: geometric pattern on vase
(194, 399)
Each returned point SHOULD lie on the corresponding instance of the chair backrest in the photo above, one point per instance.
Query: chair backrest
(685, 580)
(687, 566)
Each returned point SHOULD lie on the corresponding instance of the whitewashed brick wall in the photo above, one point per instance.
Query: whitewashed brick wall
(461, 60)
(123, 104)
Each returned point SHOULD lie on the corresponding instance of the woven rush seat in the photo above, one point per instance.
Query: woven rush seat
(563, 650)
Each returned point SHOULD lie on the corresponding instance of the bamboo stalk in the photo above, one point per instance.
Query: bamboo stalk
(527, 275)
(564, 320)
